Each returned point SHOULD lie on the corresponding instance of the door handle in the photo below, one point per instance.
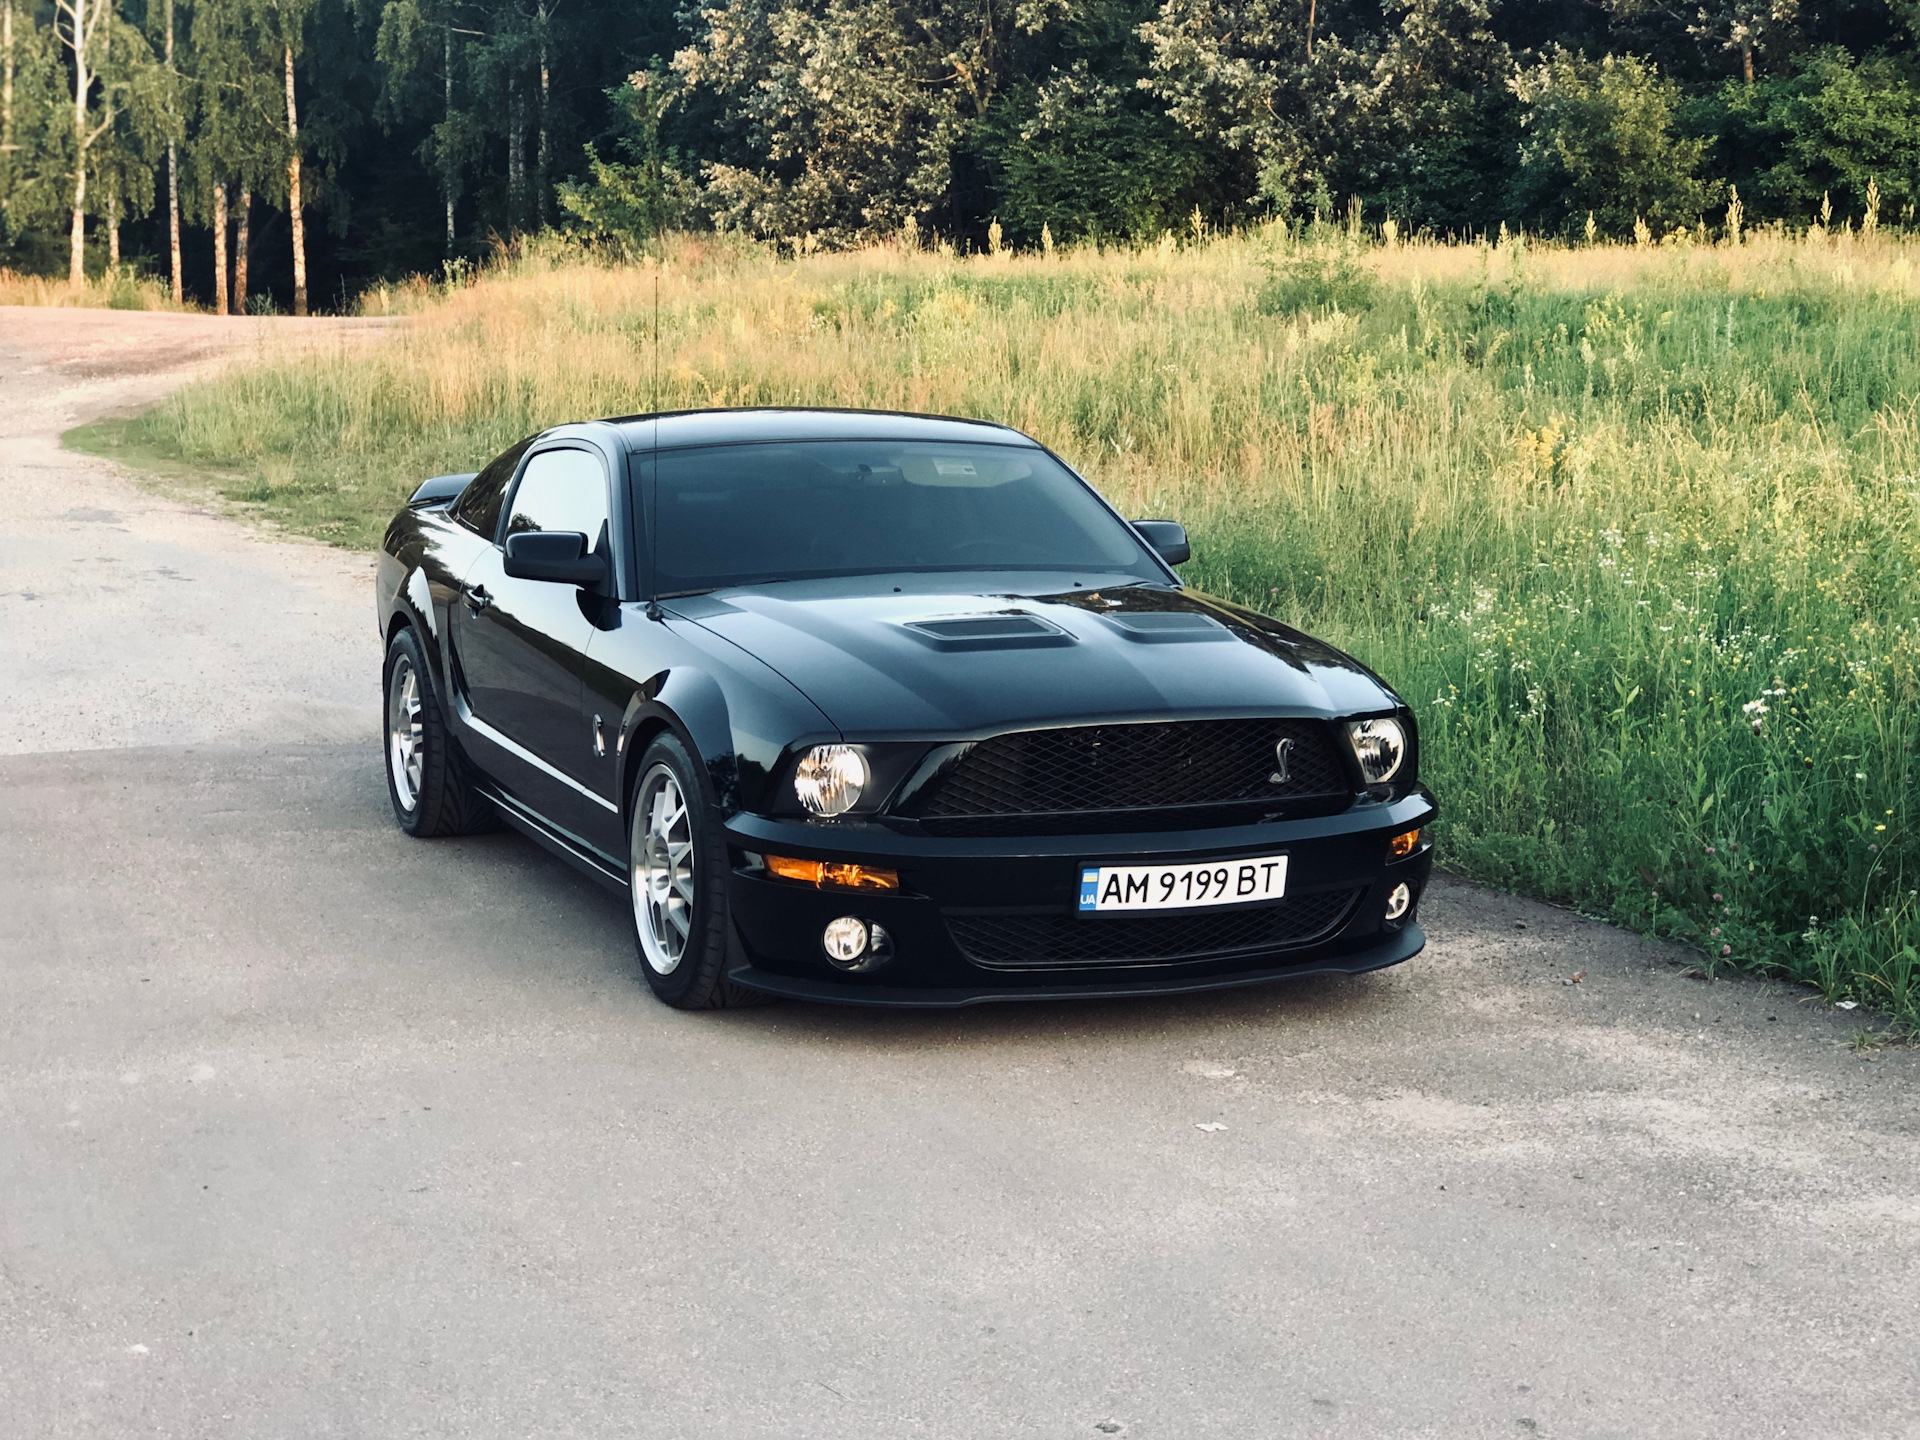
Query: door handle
(478, 599)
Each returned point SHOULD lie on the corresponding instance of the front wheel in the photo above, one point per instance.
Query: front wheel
(677, 870)
(426, 776)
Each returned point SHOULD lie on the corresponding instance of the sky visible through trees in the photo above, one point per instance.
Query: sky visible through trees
(284, 153)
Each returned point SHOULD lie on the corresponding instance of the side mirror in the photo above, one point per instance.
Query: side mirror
(558, 555)
(1168, 539)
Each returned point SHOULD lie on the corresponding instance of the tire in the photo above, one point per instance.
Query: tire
(677, 878)
(427, 778)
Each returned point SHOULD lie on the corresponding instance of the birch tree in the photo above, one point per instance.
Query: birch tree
(175, 132)
(418, 44)
(240, 148)
(81, 26)
(36, 176)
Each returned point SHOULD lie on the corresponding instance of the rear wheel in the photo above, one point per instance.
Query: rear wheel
(426, 776)
(677, 870)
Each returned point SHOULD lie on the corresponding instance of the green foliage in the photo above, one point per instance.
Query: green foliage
(36, 184)
(1826, 129)
(631, 202)
(1074, 147)
(1317, 278)
(1384, 113)
(1602, 138)
(431, 127)
(839, 121)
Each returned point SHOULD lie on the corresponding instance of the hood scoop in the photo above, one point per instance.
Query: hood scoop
(1163, 627)
(1004, 630)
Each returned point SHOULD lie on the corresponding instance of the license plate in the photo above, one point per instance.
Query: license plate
(1209, 884)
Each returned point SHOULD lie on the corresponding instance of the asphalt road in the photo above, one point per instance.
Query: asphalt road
(307, 1129)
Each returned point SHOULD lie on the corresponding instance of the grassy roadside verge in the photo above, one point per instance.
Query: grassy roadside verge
(124, 289)
(1637, 532)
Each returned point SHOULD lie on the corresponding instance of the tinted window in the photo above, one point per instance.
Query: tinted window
(478, 507)
(562, 490)
(739, 513)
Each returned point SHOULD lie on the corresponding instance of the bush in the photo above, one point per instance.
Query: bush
(1318, 278)
(1827, 129)
(1601, 140)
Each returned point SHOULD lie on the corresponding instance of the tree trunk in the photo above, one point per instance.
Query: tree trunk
(6, 79)
(173, 224)
(113, 203)
(446, 161)
(6, 108)
(82, 82)
(1746, 60)
(540, 173)
(516, 165)
(293, 197)
(173, 179)
(219, 249)
(240, 246)
(1312, 5)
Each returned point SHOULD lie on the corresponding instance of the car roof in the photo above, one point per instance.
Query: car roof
(678, 429)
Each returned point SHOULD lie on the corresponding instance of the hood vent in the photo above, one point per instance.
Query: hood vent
(1007, 630)
(1161, 627)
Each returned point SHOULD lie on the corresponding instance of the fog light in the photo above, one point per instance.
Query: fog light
(1398, 903)
(853, 944)
(1401, 846)
(845, 941)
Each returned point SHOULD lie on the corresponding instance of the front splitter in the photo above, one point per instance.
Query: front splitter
(1409, 942)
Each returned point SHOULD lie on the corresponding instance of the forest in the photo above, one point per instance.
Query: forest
(285, 154)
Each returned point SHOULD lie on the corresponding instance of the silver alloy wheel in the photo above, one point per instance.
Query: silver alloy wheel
(406, 752)
(661, 847)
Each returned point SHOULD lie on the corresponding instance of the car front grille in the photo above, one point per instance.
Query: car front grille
(1180, 774)
(1065, 941)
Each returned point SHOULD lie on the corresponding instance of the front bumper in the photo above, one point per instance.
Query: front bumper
(1338, 873)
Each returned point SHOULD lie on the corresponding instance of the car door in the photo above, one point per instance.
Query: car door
(521, 645)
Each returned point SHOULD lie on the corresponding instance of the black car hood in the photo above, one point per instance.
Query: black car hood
(965, 662)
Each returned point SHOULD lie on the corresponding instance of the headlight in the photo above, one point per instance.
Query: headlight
(829, 779)
(1381, 746)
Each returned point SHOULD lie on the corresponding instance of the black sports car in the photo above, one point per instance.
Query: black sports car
(888, 709)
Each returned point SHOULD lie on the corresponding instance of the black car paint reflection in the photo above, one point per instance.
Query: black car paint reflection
(553, 690)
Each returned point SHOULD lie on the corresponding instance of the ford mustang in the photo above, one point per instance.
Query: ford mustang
(888, 709)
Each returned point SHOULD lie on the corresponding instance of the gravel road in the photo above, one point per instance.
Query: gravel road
(307, 1129)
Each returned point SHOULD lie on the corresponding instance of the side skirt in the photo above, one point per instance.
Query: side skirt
(569, 847)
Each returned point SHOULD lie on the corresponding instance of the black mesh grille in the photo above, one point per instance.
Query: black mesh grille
(1101, 777)
(1039, 942)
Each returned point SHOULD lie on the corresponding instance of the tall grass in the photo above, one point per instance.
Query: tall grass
(122, 289)
(1635, 531)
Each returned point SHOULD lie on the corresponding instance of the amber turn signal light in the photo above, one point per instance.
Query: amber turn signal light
(1401, 846)
(833, 872)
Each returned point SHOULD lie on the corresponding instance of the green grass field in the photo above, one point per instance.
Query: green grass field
(1635, 531)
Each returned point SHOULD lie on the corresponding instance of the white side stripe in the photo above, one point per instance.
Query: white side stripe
(520, 752)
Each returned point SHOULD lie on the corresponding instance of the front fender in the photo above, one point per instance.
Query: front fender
(691, 704)
(735, 714)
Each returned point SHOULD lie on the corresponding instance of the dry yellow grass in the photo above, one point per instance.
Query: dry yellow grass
(121, 290)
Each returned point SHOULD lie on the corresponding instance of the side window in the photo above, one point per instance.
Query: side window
(478, 507)
(562, 490)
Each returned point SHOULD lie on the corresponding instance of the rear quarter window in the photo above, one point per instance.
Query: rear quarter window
(478, 507)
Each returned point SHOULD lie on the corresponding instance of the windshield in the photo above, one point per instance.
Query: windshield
(739, 514)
